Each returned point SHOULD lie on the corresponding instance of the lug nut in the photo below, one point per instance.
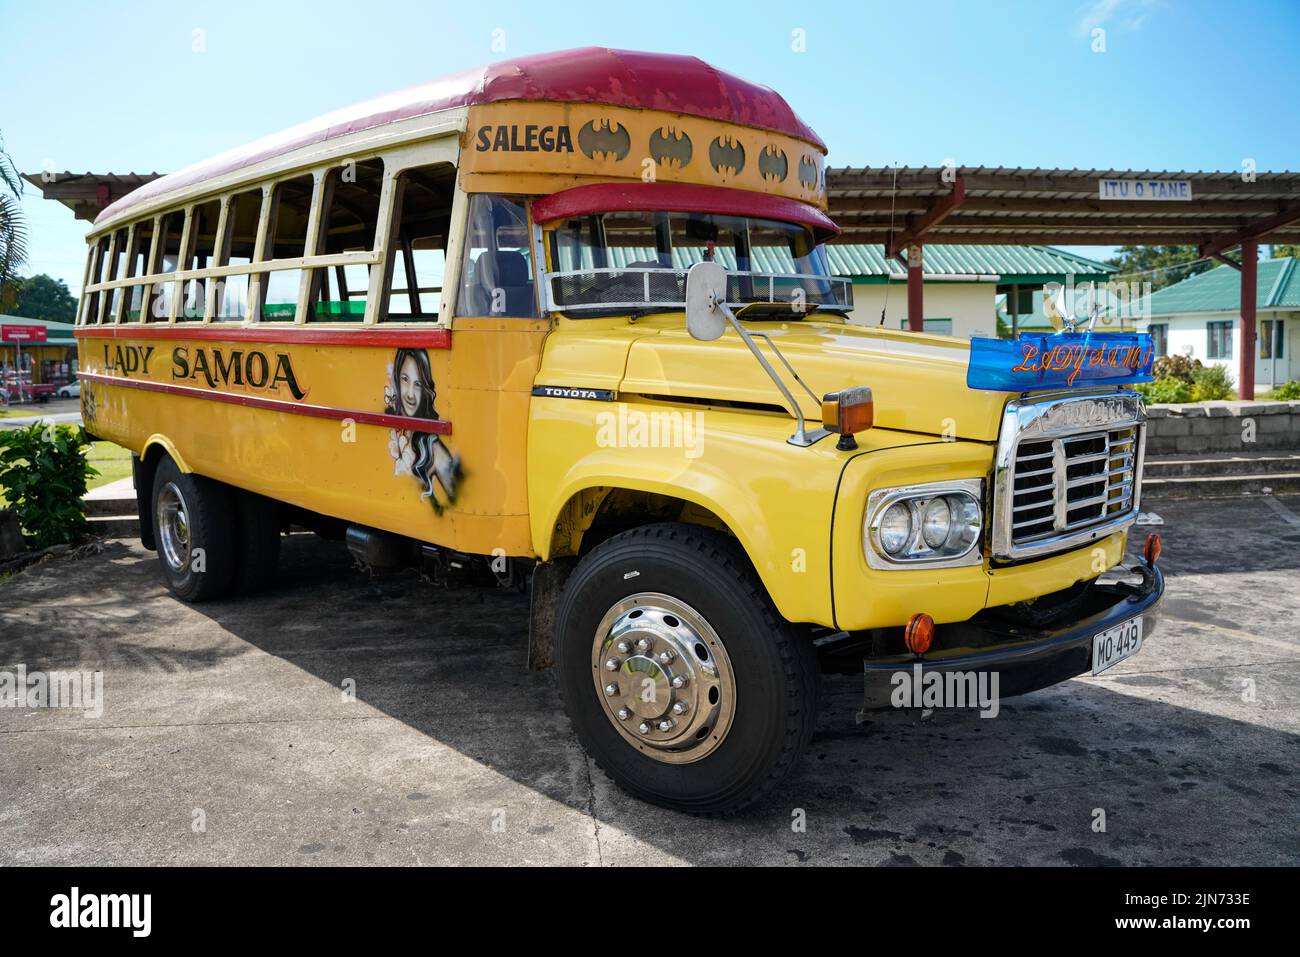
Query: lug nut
(611, 689)
(623, 647)
(679, 681)
(666, 724)
(644, 727)
(681, 707)
(612, 664)
(624, 714)
(644, 644)
(666, 656)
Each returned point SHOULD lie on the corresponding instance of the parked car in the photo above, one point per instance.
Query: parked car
(70, 391)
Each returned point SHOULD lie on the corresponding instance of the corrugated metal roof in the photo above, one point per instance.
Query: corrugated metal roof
(49, 324)
(863, 261)
(1219, 290)
(854, 259)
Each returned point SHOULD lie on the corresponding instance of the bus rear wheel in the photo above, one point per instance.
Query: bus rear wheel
(194, 528)
(681, 680)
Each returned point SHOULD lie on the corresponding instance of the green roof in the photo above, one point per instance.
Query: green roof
(1219, 290)
(56, 333)
(1027, 264)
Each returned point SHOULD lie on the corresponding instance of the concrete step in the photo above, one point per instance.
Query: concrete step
(1245, 463)
(1221, 486)
(110, 506)
(115, 526)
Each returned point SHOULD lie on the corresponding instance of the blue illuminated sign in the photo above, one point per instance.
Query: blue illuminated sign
(1063, 361)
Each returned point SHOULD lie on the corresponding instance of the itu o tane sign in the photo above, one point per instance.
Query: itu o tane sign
(1159, 190)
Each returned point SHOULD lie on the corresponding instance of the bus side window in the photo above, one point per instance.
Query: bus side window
(97, 270)
(349, 215)
(417, 244)
(236, 249)
(169, 254)
(203, 239)
(290, 206)
(497, 274)
(116, 270)
(137, 265)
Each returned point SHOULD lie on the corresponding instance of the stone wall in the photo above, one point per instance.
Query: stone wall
(1235, 426)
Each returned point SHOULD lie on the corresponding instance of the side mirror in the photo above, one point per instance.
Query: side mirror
(706, 287)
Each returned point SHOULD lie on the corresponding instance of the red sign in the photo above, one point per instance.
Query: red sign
(16, 333)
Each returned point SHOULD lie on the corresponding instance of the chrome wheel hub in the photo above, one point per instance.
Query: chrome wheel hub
(663, 677)
(173, 527)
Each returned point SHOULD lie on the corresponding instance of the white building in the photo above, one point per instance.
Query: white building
(1200, 317)
(963, 284)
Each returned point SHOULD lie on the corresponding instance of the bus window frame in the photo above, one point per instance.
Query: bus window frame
(443, 148)
(389, 207)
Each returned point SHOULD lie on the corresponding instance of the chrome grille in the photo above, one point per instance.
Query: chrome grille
(1069, 471)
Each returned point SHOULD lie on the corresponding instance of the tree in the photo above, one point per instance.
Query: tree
(13, 231)
(43, 297)
(1144, 259)
(1286, 251)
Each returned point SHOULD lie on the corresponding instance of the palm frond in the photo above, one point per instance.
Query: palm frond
(13, 229)
(9, 175)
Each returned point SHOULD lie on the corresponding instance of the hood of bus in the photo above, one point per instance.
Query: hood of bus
(918, 381)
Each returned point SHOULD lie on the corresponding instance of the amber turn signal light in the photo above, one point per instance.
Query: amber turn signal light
(919, 633)
(847, 413)
(1151, 549)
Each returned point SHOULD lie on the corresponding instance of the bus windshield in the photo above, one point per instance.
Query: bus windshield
(606, 263)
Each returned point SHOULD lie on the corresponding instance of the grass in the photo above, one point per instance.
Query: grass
(111, 461)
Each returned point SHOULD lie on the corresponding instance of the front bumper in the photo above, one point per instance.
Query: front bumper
(1025, 656)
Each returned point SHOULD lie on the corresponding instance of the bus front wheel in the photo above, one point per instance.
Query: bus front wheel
(194, 528)
(680, 679)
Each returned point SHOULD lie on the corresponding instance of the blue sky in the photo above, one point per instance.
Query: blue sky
(1179, 85)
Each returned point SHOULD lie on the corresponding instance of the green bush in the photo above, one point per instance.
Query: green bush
(1165, 391)
(1183, 368)
(1212, 382)
(43, 473)
(1287, 392)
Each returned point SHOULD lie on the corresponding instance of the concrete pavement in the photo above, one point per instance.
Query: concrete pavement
(229, 734)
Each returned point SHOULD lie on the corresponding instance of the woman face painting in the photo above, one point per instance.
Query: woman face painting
(409, 386)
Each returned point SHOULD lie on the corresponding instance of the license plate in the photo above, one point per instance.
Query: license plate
(1115, 644)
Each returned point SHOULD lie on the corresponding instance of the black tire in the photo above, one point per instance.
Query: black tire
(776, 678)
(259, 541)
(209, 511)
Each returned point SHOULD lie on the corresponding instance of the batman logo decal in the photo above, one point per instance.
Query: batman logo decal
(726, 155)
(772, 164)
(808, 173)
(670, 147)
(607, 139)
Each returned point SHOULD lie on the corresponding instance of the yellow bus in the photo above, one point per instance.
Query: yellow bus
(563, 315)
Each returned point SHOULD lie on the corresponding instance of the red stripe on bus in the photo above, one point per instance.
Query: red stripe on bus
(415, 338)
(436, 426)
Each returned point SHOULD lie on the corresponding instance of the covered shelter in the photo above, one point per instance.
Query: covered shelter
(87, 194)
(904, 208)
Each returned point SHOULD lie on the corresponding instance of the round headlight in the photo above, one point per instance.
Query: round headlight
(936, 522)
(895, 528)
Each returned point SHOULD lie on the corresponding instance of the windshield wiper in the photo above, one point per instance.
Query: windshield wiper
(654, 310)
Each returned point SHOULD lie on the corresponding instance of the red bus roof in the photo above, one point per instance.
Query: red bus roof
(655, 81)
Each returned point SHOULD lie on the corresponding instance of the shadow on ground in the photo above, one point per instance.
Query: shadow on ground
(453, 752)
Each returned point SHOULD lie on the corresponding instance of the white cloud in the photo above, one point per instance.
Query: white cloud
(1130, 14)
